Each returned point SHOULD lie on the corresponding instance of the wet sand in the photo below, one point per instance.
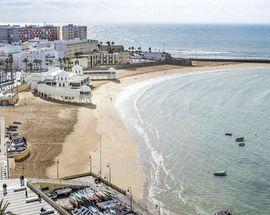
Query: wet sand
(118, 148)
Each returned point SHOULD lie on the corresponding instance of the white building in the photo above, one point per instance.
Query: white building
(61, 85)
(155, 56)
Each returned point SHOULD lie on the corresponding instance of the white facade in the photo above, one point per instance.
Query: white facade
(156, 56)
(61, 85)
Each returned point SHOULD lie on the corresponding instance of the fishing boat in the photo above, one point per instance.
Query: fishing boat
(242, 144)
(220, 173)
(224, 212)
(240, 139)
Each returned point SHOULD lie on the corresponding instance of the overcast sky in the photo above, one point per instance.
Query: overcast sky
(169, 11)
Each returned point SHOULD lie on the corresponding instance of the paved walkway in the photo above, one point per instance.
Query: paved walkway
(3, 151)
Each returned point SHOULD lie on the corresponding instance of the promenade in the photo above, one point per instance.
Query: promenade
(3, 152)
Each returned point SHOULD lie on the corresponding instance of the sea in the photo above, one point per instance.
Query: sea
(189, 40)
(179, 121)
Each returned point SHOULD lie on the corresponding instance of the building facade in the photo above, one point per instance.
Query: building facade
(81, 47)
(60, 85)
(47, 32)
(102, 59)
(71, 32)
(9, 34)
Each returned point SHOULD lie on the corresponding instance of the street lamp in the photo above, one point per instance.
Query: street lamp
(57, 169)
(90, 163)
(110, 172)
(158, 207)
(130, 194)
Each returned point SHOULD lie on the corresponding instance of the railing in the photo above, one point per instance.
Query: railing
(61, 210)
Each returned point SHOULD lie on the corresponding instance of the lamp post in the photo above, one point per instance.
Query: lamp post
(57, 169)
(110, 173)
(158, 208)
(90, 163)
(130, 194)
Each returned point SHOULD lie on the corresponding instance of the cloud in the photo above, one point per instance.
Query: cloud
(248, 11)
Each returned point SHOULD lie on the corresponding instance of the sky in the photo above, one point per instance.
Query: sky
(135, 11)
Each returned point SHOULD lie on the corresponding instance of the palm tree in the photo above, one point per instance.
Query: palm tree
(3, 208)
(30, 65)
(50, 62)
(39, 63)
(68, 62)
(112, 47)
(6, 66)
(101, 46)
(60, 60)
(10, 62)
(109, 46)
(1, 71)
(25, 60)
(35, 61)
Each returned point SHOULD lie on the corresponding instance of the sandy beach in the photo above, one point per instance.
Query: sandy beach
(70, 133)
(117, 145)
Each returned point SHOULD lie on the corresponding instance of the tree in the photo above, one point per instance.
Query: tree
(30, 65)
(50, 62)
(112, 47)
(10, 62)
(39, 63)
(35, 61)
(109, 46)
(3, 208)
(6, 63)
(1, 71)
(99, 46)
(67, 62)
(150, 49)
(77, 55)
(26, 61)
(60, 60)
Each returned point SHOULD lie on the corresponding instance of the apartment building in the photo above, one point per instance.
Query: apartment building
(71, 32)
(48, 32)
(9, 34)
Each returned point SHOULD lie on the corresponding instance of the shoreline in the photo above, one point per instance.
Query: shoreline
(119, 148)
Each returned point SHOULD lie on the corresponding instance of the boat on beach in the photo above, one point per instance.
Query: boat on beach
(220, 173)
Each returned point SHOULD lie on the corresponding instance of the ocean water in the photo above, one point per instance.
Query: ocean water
(186, 40)
(179, 123)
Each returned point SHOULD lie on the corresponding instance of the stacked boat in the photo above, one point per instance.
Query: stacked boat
(16, 143)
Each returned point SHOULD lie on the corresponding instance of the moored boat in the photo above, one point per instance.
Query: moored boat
(220, 173)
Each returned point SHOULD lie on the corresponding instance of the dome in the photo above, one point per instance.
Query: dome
(112, 70)
(85, 89)
(77, 69)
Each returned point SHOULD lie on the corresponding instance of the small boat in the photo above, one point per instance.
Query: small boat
(242, 144)
(224, 212)
(220, 173)
(17, 122)
(239, 139)
(228, 134)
